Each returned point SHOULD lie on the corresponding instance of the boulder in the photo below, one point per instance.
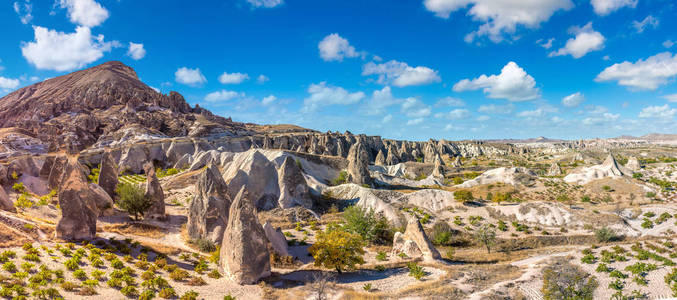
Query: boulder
(103, 201)
(358, 162)
(208, 214)
(184, 162)
(4, 177)
(155, 194)
(633, 164)
(108, 174)
(244, 251)
(380, 159)
(5, 203)
(414, 242)
(277, 240)
(204, 158)
(78, 207)
(293, 187)
(258, 175)
(554, 170)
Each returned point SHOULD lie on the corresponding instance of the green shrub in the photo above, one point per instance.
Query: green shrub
(189, 295)
(563, 280)
(69, 286)
(167, 293)
(132, 199)
(606, 234)
(382, 256)
(463, 196)
(341, 179)
(129, 291)
(415, 270)
(589, 259)
(147, 295)
(371, 226)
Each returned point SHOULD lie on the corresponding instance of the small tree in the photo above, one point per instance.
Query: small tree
(337, 249)
(463, 196)
(563, 280)
(485, 235)
(132, 199)
(371, 226)
(605, 234)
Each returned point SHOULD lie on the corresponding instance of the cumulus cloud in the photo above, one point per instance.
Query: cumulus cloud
(668, 43)
(25, 11)
(499, 17)
(658, 112)
(573, 100)
(415, 121)
(387, 118)
(87, 13)
(322, 94)
(545, 44)
(262, 79)
(539, 112)
(8, 83)
(136, 51)
(585, 41)
(192, 77)
(401, 74)
(449, 101)
(265, 3)
(268, 100)
(513, 83)
(414, 108)
(334, 48)
(671, 98)
(600, 119)
(643, 74)
(379, 101)
(456, 114)
(483, 118)
(496, 109)
(649, 21)
(223, 95)
(59, 51)
(233, 78)
(605, 7)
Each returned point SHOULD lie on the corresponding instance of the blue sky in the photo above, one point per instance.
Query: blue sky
(453, 69)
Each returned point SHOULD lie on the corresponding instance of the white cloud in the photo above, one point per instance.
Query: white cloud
(658, 112)
(483, 118)
(456, 114)
(500, 17)
(643, 74)
(322, 94)
(334, 47)
(265, 3)
(573, 100)
(606, 57)
(401, 74)
(450, 127)
(513, 83)
(387, 118)
(585, 41)
(87, 13)
(546, 44)
(233, 78)
(671, 98)
(24, 10)
(192, 77)
(414, 108)
(449, 101)
(605, 7)
(262, 79)
(136, 51)
(600, 119)
(59, 51)
(496, 109)
(539, 112)
(268, 100)
(649, 21)
(223, 95)
(379, 101)
(415, 121)
(8, 83)
(668, 43)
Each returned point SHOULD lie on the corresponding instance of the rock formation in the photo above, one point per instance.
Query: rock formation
(244, 252)
(155, 194)
(554, 170)
(108, 174)
(414, 242)
(293, 187)
(258, 175)
(103, 201)
(438, 168)
(513, 176)
(5, 203)
(380, 160)
(457, 162)
(277, 240)
(609, 168)
(633, 164)
(133, 160)
(78, 208)
(56, 174)
(392, 158)
(208, 214)
(358, 162)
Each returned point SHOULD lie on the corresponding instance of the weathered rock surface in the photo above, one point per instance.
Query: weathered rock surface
(414, 242)
(380, 159)
(133, 160)
(293, 187)
(78, 207)
(609, 168)
(513, 176)
(277, 240)
(108, 174)
(56, 174)
(103, 201)
(258, 175)
(5, 203)
(438, 168)
(633, 164)
(358, 162)
(209, 209)
(244, 251)
(554, 170)
(155, 194)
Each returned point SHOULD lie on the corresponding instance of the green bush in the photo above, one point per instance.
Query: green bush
(563, 280)
(606, 234)
(132, 199)
(382, 256)
(341, 179)
(463, 196)
(415, 270)
(368, 224)
(129, 291)
(189, 295)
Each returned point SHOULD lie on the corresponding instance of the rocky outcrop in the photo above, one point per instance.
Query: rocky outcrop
(633, 164)
(513, 176)
(392, 158)
(414, 242)
(277, 240)
(56, 174)
(208, 214)
(103, 201)
(244, 252)
(609, 168)
(5, 203)
(108, 174)
(380, 159)
(155, 194)
(358, 162)
(47, 166)
(554, 170)
(438, 168)
(253, 171)
(457, 162)
(293, 187)
(78, 207)
(133, 160)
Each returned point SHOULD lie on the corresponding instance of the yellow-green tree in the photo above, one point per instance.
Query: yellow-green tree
(337, 249)
(463, 196)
